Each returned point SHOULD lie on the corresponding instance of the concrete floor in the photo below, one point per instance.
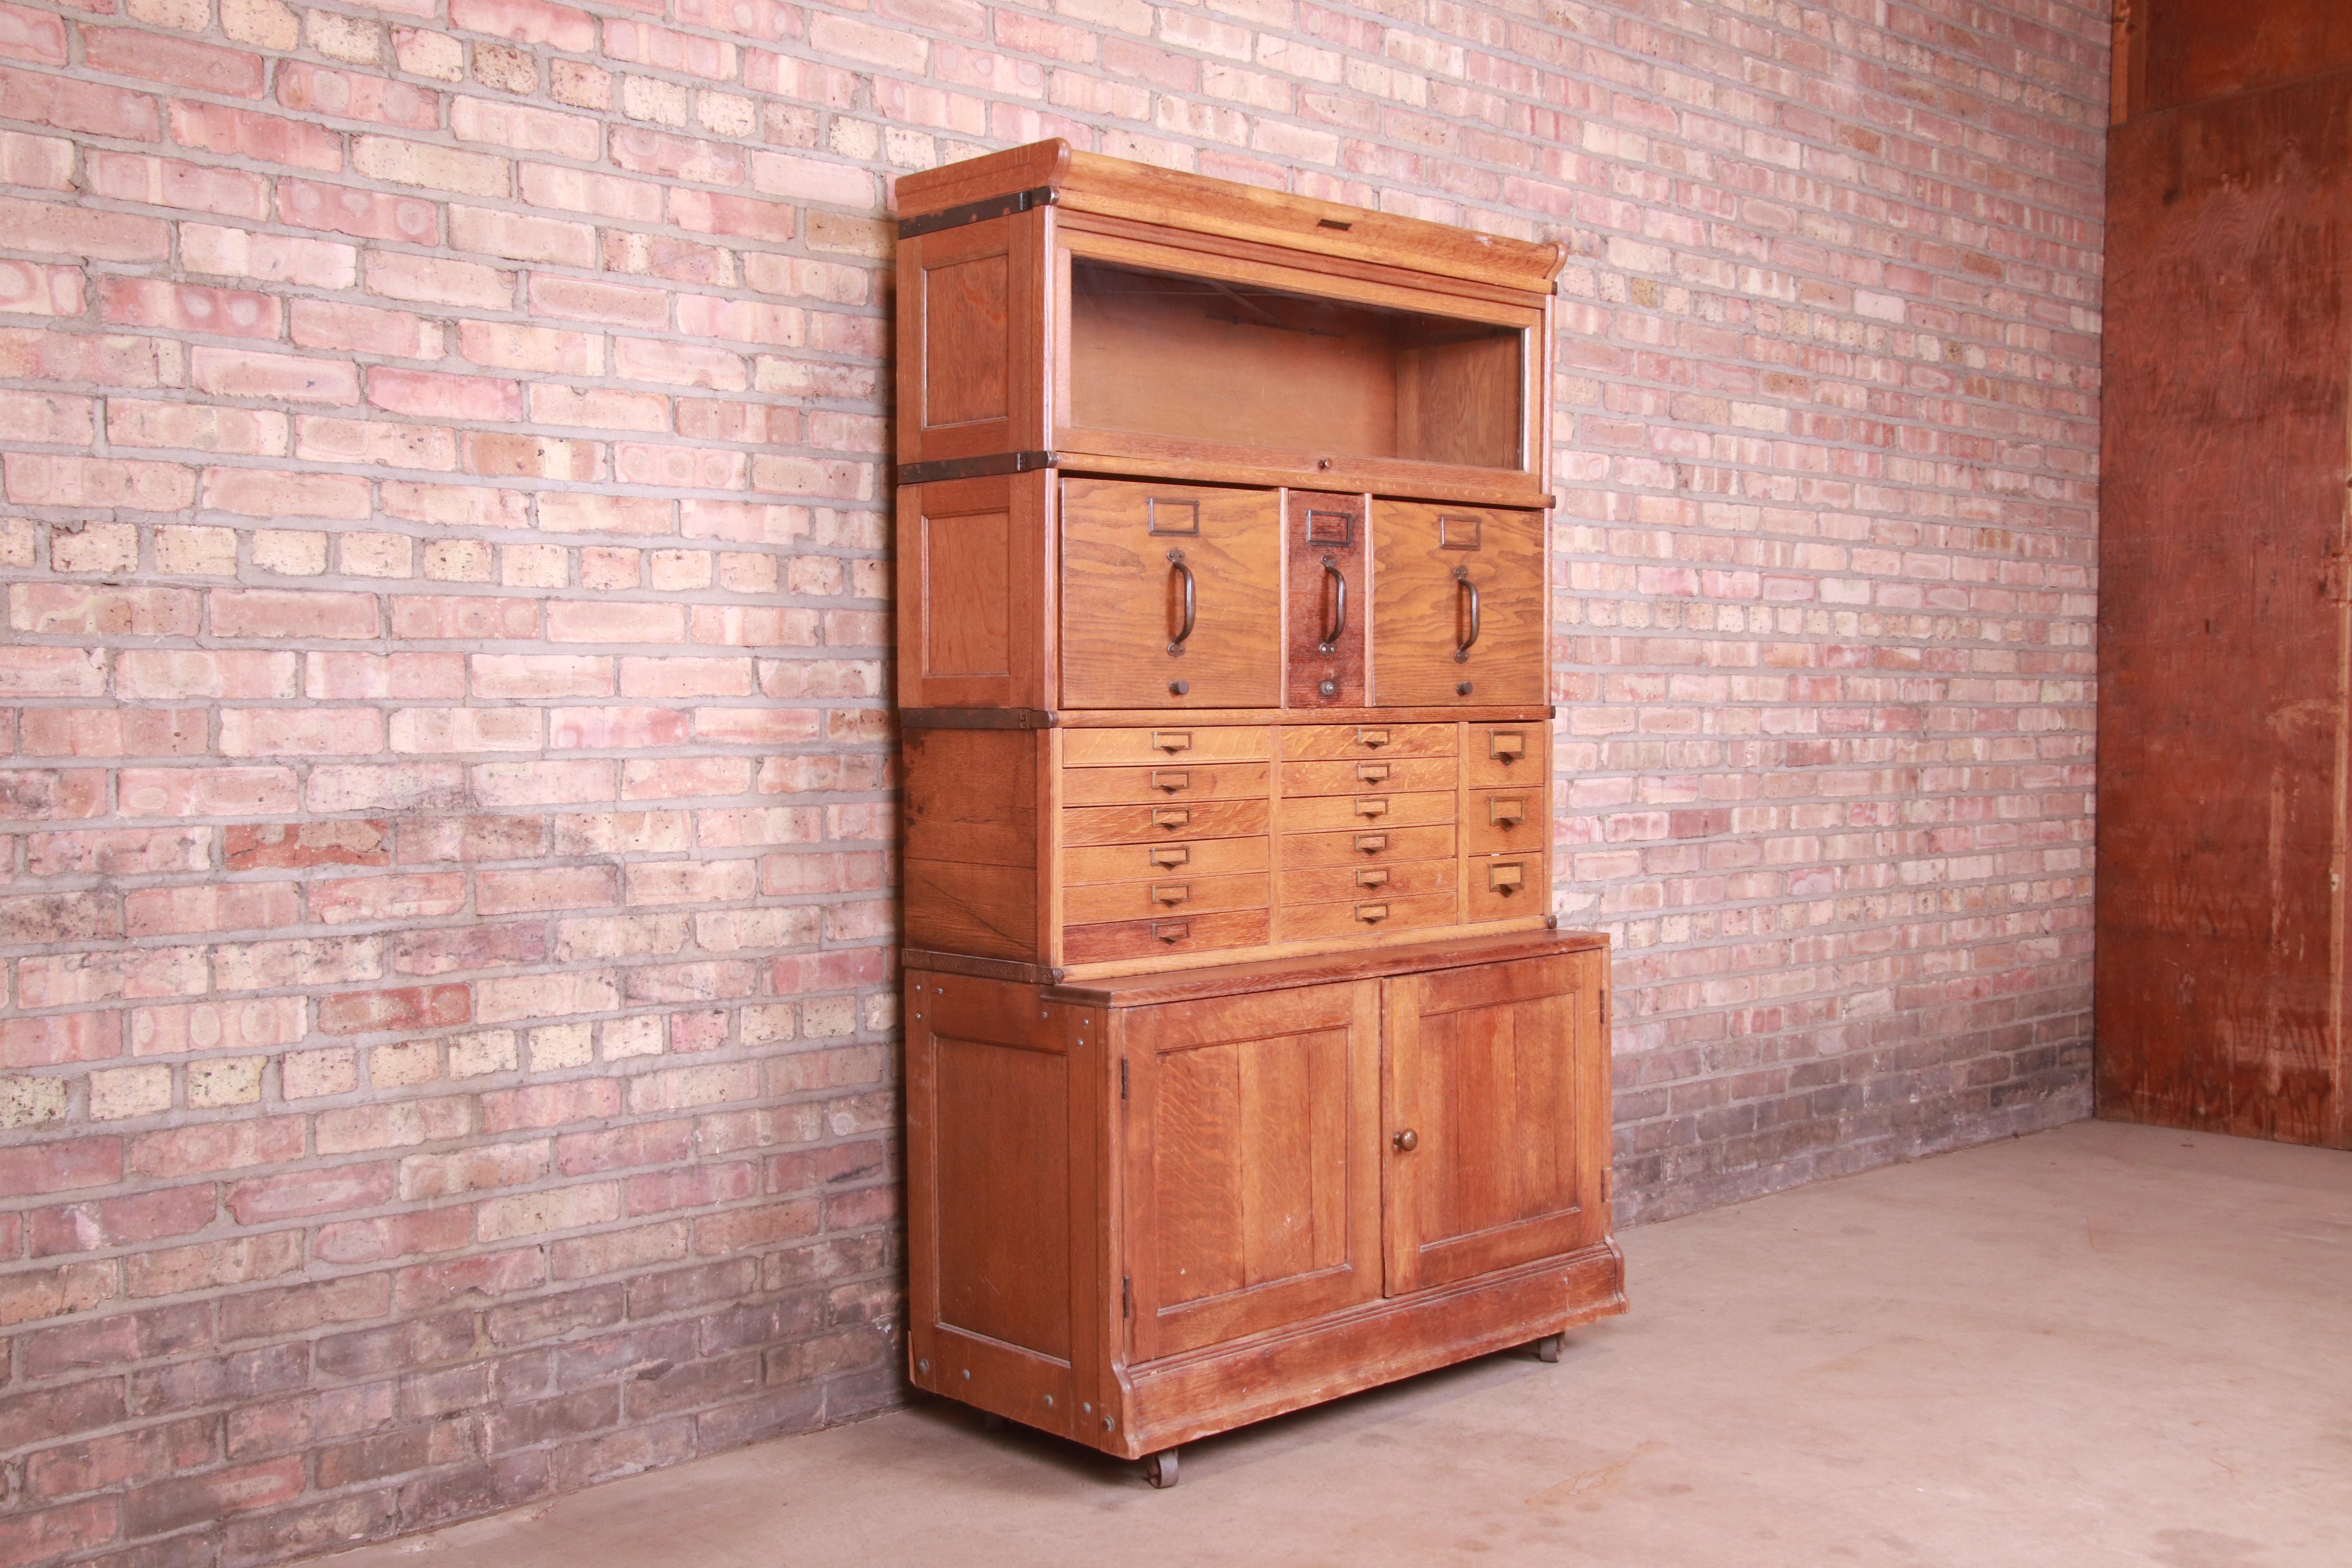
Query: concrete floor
(2101, 1345)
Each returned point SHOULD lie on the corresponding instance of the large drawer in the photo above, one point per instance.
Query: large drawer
(1144, 823)
(1173, 934)
(1366, 846)
(1175, 894)
(1346, 777)
(1187, 742)
(1318, 814)
(1170, 782)
(1304, 741)
(1329, 884)
(1362, 917)
(1191, 857)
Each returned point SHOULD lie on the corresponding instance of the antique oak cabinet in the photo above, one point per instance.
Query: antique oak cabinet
(1244, 1066)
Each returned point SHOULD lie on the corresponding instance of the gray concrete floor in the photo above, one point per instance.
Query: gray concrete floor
(2101, 1345)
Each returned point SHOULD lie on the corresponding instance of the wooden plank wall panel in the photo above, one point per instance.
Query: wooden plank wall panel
(2221, 698)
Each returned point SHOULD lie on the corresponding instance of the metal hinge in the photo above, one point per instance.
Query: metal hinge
(976, 212)
(1126, 1297)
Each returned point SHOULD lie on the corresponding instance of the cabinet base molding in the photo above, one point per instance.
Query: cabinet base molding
(1187, 1397)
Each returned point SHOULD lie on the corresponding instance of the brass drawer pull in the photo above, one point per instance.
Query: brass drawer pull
(1461, 650)
(1507, 745)
(1171, 893)
(1372, 876)
(1170, 931)
(1171, 740)
(1372, 914)
(1173, 780)
(1375, 739)
(1171, 818)
(1372, 772)
(1373, 805)
(1506, 876)
(1339, 581)
(1371, 843)
(1506, 811)
(1177, 568)
(1167, 856)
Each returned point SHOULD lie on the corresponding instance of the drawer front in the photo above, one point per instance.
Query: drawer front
(1188, 857)
(1503, 887)
(1316, 813)
(1310, 742)
(1161, 938)
(1330, 884)
(1156, 785)
(1366, 846)
(1162, 897)
(1502, 820)
(1370, 776)
(1144, 823)
(1362, 917)
(1502, 754)
(1171, 742)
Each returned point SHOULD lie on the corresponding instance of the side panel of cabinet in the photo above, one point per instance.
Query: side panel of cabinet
(971, 315)
(972, 591)
(1172, 595)
(1251, 1163)
(1004, 1181)
(974, 806)
(1500, 1073)
(1457, 605)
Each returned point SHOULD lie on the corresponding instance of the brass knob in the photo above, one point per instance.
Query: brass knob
(1408, 1141)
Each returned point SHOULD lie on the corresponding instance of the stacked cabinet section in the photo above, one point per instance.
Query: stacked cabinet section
(1246, 1064)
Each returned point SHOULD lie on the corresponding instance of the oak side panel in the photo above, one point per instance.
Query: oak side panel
(971, 340)
(972, 591)
(2223, 629)
(2191, 51)
(969, 876)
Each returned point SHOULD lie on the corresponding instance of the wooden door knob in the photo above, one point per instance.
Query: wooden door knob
(1408, 1141)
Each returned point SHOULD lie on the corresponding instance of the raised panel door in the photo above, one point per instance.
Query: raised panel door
(1457, 605)
(1253, 1163)
(1496, 1117)
(1172, 596)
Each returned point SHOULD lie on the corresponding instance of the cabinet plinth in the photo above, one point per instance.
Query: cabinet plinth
(1244, 1066)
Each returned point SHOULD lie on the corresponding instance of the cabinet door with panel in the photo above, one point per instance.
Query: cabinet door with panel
(1253, 1174)
(1172, 595)
(1498, 1085)
(1457, 605)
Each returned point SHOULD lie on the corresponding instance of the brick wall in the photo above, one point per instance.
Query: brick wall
(445, 813)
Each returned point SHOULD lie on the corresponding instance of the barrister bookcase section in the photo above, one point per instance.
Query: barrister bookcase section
(1245, 1065)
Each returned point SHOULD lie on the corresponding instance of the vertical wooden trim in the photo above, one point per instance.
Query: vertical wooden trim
(1089, 1148)
(2127, 75)
(1536, 416)
(922, 1174)
(1400, 1105)
(2339, 576)
(1365, 1141)
(1462, 798)
(1049, 848)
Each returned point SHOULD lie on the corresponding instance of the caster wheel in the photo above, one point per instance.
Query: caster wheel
(1549, 1347)
(990, 1421)
(1160, 1468)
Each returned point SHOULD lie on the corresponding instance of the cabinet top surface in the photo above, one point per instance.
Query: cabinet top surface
(1234, 979)
(1090, 181)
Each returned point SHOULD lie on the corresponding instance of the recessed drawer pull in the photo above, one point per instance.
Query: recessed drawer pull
(1171, 893)
(1506, 876)
(1375, 739)
(1506, 811)
(1373, 805)
(1170, 931)
(1171, 740)
(1372, 914)
(1371, 843)
(1167, 856)
(1507, 745)
(1372, 772)
(1172, 817)
(1173, 780)
(1372, 876)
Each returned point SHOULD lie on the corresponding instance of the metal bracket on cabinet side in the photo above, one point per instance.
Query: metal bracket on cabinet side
(976, 212)
(975, 718)
(989, 467)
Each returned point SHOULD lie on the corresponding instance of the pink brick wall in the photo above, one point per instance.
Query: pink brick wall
(445, 813)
